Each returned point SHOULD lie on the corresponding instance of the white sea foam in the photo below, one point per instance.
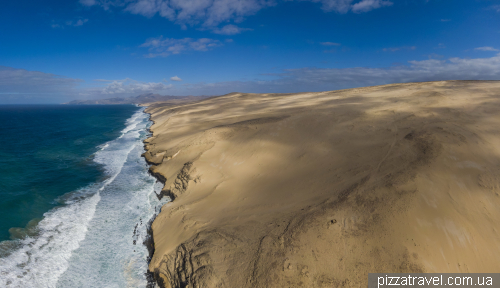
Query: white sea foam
(104, 146)
(132, 123)
(89, 242)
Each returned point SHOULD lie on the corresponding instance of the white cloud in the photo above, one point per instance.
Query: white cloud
(80, 22)
(23, 86)
(163, 47)
(329, 44)
(88, 2)
(230, 29)
(435, 56)
(13, 80)
(211, 13)
(126, 87)
(175, 78)
(340, 6)
(74, 23)
(316, 79)
(394, 49)
(368, 5)
(20, 82)
(440, 46)
(208, 12)
(486, 48)
(426, 70)
(17, 84)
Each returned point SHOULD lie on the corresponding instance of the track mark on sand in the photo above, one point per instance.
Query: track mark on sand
(389, 151)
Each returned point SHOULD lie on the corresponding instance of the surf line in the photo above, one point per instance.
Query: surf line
(152, 277)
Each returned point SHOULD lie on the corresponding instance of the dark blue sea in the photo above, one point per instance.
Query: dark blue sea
(75, 196)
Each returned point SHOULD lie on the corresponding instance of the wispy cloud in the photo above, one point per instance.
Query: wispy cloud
(208, 12)
(340, 6)
(440, 46)
(87, 2)
(175, 78)
(495, 7)
(230, 29)
(368, 5)
(426, 70)
(17, 84)
(486, 48)
(435, 56)
(356, 6)
(163, 47)
(125, 87)
(316, 79)
(394, 49)
(80, 22)
(329, 44)
(73, 23)
(211, 13)
(23, 83)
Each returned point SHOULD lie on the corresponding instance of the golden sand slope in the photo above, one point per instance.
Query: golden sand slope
(318, 189)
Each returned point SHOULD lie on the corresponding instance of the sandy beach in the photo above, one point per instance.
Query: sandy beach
(320, 189)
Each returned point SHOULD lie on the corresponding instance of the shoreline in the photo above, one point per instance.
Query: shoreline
(152, 278)
(318, 189)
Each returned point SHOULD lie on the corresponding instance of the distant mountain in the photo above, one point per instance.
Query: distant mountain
(141, 99)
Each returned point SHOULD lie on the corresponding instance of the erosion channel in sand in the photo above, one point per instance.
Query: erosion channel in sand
(319, 189)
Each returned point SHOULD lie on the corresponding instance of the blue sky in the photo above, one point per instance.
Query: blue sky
(55, 51)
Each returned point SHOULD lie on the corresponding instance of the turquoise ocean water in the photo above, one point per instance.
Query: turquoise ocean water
(75, 196)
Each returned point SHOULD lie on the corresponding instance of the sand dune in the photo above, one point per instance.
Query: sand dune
(319, 189)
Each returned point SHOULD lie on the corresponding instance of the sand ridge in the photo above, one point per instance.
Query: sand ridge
(319, 189)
